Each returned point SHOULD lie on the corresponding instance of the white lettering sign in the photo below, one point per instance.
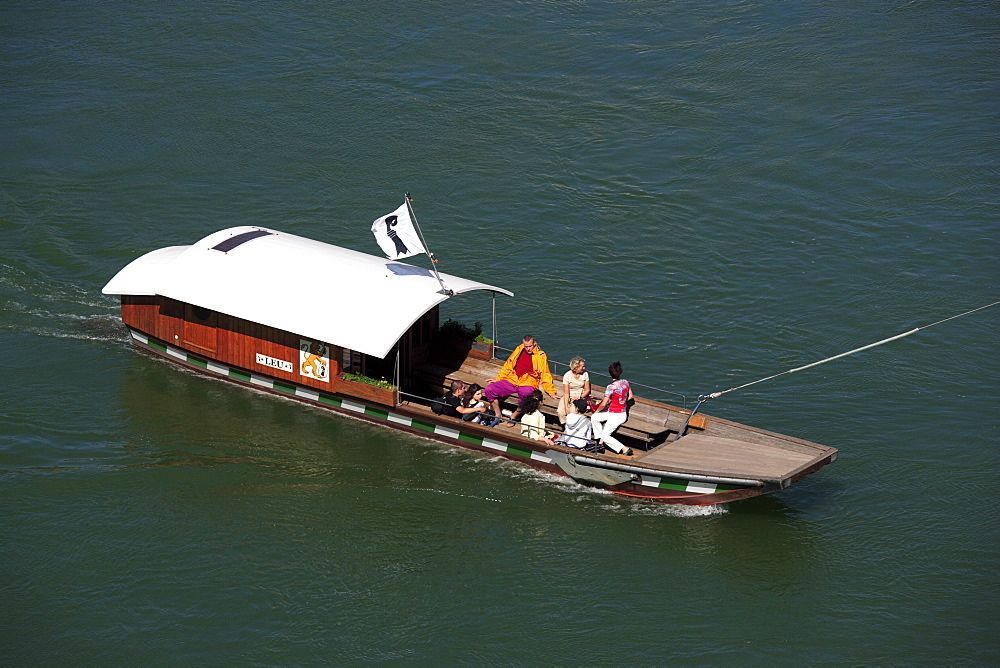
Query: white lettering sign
(275, 363)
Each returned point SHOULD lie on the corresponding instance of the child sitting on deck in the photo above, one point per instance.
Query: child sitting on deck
(579, 430)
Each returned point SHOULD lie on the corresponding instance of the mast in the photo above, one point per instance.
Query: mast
(409, 207)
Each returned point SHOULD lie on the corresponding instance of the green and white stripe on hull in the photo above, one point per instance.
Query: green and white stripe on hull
(343, 404)
(684, 485)
(456, 435)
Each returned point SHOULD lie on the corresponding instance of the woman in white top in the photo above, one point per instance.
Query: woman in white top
(576, 385)
(532, 419)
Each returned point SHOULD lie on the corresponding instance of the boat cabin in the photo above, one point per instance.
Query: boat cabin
(292, 308)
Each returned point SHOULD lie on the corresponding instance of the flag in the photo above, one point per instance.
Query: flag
(396, 235)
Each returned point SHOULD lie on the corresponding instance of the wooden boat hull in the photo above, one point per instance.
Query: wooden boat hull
(416, 420)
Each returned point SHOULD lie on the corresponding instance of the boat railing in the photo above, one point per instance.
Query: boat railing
(555, 431)
(554, 366)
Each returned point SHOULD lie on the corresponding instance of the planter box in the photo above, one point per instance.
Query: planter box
(366, 392)
(482, 351)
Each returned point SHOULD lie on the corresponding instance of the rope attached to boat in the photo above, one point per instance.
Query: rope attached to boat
(715, 395)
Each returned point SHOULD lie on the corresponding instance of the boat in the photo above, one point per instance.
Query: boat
(361, 335)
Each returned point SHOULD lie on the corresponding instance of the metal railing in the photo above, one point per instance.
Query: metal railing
(500, 418)
(554, 365)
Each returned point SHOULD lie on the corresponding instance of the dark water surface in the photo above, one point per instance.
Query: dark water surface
(711, 194)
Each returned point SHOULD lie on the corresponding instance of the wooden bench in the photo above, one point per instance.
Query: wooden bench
(640, 432)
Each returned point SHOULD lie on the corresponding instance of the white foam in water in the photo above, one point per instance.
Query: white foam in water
(671, 509)
(447, 493)
(624, 505)
(88, 327)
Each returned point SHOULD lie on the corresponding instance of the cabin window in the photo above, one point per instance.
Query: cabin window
(353, 362)
(381, 368)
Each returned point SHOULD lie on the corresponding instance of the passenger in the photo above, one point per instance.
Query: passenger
(471, 402)
(578, 427)
(453, 399)
(616, 397)
(576, 385)
(525, 371)
(533, 420)
(473, 408)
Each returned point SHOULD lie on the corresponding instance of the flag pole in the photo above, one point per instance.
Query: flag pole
(409, 207)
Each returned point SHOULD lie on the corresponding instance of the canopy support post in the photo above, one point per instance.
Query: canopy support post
(395, 373)
(493, 334)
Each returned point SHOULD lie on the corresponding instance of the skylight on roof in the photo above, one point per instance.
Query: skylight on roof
(240, 239)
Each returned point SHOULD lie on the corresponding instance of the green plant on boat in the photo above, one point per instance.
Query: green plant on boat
(358, 378)
(454, 329)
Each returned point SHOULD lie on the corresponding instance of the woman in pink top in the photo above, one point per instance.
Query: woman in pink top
(616, 397)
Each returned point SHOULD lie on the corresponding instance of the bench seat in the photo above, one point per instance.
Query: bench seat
(438, 379)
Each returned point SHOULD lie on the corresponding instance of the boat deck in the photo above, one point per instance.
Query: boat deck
(713, 455)
(711, 446)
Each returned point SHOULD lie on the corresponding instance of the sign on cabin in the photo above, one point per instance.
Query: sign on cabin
(275, 363)
(314, 360)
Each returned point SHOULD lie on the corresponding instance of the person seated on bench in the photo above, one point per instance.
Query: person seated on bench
(578, 427)
(576, 385)
(532, 419)
(453, 399)
(525, 371)
(473, 408)
(616, 397)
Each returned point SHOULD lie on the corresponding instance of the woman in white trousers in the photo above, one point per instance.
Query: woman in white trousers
(616, 397)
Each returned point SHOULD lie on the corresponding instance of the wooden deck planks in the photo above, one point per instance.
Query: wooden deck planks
(726, 457)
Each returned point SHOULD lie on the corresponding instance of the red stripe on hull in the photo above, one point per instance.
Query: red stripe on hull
(629, 490)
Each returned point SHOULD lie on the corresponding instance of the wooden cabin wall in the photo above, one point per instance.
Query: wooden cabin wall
(418, 341)
(226, 339)
(157, 316)
(237, 342)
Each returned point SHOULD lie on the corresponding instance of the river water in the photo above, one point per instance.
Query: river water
(711, 193)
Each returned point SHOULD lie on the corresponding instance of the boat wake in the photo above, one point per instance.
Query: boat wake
(609, 501)
(71, 326)
(654, 509)
(445, 492)
(57, 309)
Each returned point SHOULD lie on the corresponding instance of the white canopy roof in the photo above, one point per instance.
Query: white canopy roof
(319, 291)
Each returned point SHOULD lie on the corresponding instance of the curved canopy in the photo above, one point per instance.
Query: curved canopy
(317, 290)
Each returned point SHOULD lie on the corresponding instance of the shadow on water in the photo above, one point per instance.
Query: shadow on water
(178, 418)
(208, 442)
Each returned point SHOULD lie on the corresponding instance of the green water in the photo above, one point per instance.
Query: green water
(712, 194)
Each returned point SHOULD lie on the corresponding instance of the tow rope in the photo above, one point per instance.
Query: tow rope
(705, 397)
(715, 395)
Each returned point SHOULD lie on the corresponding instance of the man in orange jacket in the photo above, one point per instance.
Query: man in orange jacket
(526, 370)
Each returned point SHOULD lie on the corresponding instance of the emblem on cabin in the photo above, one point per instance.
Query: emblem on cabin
(314, 360)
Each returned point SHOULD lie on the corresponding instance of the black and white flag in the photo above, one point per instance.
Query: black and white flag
(396, 235)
